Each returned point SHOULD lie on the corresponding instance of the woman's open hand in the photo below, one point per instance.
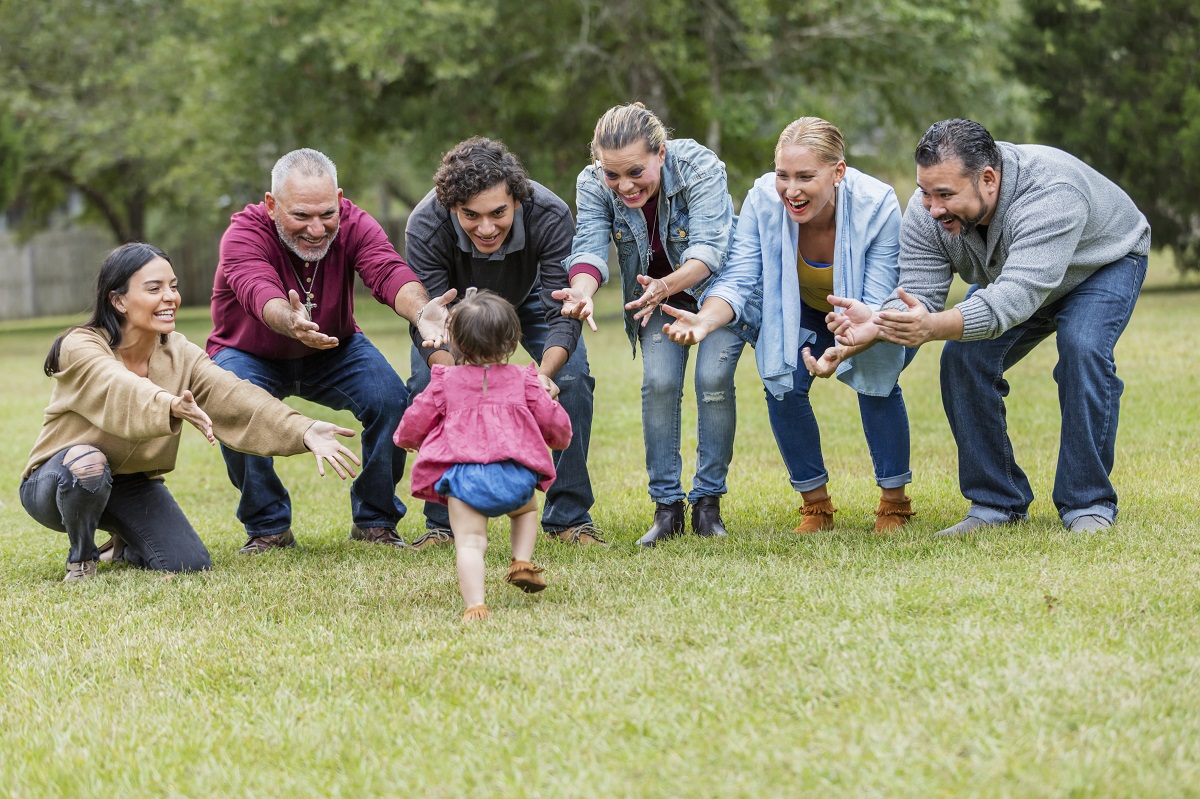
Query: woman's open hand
(185, 407)
(321, 440)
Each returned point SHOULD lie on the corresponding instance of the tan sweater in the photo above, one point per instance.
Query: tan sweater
(96, 400)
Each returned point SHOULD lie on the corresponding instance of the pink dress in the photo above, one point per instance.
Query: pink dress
(457, 420)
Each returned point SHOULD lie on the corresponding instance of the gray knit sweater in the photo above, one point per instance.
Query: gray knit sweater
(1057, 221)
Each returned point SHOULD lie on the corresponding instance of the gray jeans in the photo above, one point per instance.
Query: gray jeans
(139, 510)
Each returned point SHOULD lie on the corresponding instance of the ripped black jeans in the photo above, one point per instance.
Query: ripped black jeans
(139, 510)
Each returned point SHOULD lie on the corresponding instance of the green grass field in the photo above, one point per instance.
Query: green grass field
(1018, 663)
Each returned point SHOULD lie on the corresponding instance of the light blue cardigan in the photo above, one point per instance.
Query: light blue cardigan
(865, 264)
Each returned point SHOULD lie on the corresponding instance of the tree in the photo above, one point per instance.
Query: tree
(1118, 85)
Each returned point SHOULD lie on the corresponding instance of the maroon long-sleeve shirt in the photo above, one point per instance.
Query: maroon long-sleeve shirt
(255, 267)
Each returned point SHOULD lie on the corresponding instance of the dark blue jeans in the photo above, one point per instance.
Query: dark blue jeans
(355, 377)
(569, 500)
(1088, 321)
(141, 511)
(885, 423)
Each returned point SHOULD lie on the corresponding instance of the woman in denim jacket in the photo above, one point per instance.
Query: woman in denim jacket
(665, 204)
(814, 228)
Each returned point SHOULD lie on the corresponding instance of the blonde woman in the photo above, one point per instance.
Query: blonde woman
(665, 204)
(811, 229)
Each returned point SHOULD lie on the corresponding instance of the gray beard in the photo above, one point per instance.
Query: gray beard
(290, 243)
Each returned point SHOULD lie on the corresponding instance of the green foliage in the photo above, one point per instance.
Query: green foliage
(1119, 86)
(167, 114)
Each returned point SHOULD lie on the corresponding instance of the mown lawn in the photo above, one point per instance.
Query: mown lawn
(1019, 663)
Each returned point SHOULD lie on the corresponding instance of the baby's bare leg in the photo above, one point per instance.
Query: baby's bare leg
(470, 544)
(524, 530)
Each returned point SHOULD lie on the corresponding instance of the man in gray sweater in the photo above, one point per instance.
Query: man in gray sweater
(1050, 246)
(486, 224)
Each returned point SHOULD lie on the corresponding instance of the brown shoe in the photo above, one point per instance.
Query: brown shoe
(259, 544)
(526, 576)
(891, 516)
(816, 516)
(376, 535)
(584, 535)
(112, 550)
(476, 613)
(80, 571)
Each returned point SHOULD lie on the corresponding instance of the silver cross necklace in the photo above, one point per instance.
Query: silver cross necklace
(309, 305)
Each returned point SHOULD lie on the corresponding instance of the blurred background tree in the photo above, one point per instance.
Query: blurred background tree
(165, 116)
(1117, 83)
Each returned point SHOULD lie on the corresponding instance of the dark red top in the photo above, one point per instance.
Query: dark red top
(255, 267)
(660, 264)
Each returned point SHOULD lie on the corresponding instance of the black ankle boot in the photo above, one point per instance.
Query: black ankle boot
(668, 523)
(706, 518)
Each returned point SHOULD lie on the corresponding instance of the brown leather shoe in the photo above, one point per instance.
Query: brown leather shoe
(816, 516)
(526, 576)
(433, 537)
(891, 516)
(83, 570)
(584, 535)
(376, 535)
(259, 544)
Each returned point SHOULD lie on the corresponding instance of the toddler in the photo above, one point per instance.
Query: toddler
(482, 427)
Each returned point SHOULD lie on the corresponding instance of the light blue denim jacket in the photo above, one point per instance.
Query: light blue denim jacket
(865, 263)
(695, 218)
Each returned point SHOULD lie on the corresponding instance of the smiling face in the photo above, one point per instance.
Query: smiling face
(633, 173)
(806, 184)
(306, 213)
(956, 201)
(487, 217)
(150, 302)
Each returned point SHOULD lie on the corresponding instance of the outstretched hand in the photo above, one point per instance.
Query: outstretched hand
(688, 328)
(576, 304)
(855, 325)
(321, 440)
(185, 407)
(911, 327)
(655, 293)
(301, 327)
(433, 318)
(827, 364)
(551, 387)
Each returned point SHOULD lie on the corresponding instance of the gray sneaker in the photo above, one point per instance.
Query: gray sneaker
(1089, 523)
(434, 536)
(80, 571)
(969, 525)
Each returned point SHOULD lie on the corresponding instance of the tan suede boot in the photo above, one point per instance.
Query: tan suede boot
(476, 612)
(526, 576)
(816, 516)
(891, 516)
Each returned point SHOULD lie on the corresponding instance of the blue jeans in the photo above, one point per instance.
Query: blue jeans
(141, 511)
(569, 500)
(355, 377)
(664, 364)
(1088, 321)
(884, 419)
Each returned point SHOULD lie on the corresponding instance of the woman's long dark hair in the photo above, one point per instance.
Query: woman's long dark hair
(120, 265)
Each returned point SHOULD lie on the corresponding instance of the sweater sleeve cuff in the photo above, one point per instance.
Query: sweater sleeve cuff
(391, 287)
(582, 258)
(978, 321)
(583, 268)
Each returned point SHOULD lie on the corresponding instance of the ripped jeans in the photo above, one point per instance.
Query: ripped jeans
(664, 365)
(79, 499)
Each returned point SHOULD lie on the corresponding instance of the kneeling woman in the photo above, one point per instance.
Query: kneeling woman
(124, 384)
(813, 228)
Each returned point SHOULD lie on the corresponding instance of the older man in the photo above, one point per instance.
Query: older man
(283, 316)
(486, 224)
(1050, 246)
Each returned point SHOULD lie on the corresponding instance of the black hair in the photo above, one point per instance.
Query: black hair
(963, 139)
(477, 165)
(120, 265)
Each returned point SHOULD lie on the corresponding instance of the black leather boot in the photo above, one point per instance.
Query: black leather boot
(706, 518)
(668, 523)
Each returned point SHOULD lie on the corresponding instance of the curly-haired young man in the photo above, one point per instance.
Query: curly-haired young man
(486, 224)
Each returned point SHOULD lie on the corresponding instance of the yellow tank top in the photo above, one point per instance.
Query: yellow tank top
(816, 283)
